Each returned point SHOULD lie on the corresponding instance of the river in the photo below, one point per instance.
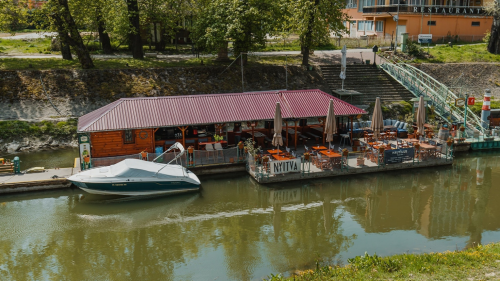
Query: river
(236, 229)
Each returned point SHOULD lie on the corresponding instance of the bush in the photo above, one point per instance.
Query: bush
(413, 49)
(10, 130)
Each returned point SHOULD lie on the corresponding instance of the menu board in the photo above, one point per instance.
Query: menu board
(394, 156)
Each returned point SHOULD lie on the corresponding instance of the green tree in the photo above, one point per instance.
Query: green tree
(61, 19)
(13, 14)
(246, 23)
(315, 21)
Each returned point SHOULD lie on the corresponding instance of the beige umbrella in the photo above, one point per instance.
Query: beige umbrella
(330, 125)
(277, 139)
(377, 120)
(421, 116)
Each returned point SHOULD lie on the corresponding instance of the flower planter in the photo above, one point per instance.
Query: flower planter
(361, 161)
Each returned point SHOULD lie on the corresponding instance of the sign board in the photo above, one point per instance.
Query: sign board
(425, 38)
(284, 195)
(394, 156)
(471, 101)
(285, 166)
(85, 156)
(460, 102)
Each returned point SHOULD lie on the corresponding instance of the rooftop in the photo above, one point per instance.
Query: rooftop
(155, 112)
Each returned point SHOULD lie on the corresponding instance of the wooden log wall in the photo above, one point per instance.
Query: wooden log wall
(108, 144)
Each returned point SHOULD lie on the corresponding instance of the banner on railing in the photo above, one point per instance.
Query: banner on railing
(285, 166)
(394, 156)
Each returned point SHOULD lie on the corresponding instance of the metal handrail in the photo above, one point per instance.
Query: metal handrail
(420, 83)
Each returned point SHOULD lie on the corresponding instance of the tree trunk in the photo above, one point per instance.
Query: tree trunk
(135, 34)
(69, 33)
(103, 35)
(65, 49)
(307, 43)
(494, 43)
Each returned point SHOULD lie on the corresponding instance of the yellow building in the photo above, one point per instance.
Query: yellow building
(464, 20)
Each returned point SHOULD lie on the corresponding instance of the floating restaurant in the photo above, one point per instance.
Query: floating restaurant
(214, 127)
(130, 126)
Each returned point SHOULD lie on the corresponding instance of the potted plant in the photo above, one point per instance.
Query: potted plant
(241, 145)
(409, 128)
(345, 152)
(462, 128)
(218, 138)
(307, 156)
(144, 155)
(449, 142)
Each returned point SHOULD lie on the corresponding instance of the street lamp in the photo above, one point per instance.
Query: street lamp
(396, 19)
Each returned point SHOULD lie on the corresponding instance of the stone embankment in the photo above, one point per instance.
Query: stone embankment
(77, 92)
(34, 144)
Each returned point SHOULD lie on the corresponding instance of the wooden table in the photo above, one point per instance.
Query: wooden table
(319, 147)
(431, 149)
(274, 151)
(335, 157)
(280, 158)
(412, 140)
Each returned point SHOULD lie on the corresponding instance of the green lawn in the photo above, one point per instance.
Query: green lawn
(457, 54)
(34, 46)
(480, 263)
(56, 63)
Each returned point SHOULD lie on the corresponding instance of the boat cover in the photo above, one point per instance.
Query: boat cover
(135, 168)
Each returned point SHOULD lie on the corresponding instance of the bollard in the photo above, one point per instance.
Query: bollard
(485, 113)
(17, 165)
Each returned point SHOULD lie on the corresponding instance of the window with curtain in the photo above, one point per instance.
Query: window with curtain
(360, 6)
(369, 25)
(379, 26)
(380, 2)
(361, 25)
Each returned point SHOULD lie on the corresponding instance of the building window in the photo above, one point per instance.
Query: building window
(431, 22)
(380, 2)
(369, 25)
(361, 25)
(379, 26)
(361, 5)
(351, 4)
(128, 136)
(476, 23)
(369, 3)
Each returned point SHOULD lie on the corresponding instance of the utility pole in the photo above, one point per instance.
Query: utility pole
(286, 71)
(241, 62)
(397, 23)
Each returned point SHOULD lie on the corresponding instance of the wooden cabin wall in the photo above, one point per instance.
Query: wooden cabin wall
(107, 144)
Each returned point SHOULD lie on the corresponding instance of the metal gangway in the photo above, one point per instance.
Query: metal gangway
(441, 97)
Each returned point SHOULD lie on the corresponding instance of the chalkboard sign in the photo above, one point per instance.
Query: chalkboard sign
(395, 156)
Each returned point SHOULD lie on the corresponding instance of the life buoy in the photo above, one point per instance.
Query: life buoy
(143, 135)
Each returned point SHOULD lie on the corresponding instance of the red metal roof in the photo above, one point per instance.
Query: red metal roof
(155, 112)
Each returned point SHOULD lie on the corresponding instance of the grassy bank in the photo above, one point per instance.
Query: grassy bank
(123, 63)
(480, 263)
(19, 47)
(12, 130)
(459, 54)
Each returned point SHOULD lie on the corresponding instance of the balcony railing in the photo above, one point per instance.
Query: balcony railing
(426, 9)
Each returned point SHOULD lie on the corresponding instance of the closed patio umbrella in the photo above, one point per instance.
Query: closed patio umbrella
(421, 116)
(330, 125)
(343, 64)
(277, 139)
(377, 119)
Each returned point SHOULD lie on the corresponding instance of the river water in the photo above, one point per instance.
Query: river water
(235, 229)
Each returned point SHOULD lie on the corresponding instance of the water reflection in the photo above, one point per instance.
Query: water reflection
(235, 229)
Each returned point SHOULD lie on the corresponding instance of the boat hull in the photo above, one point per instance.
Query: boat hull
(137, 188)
